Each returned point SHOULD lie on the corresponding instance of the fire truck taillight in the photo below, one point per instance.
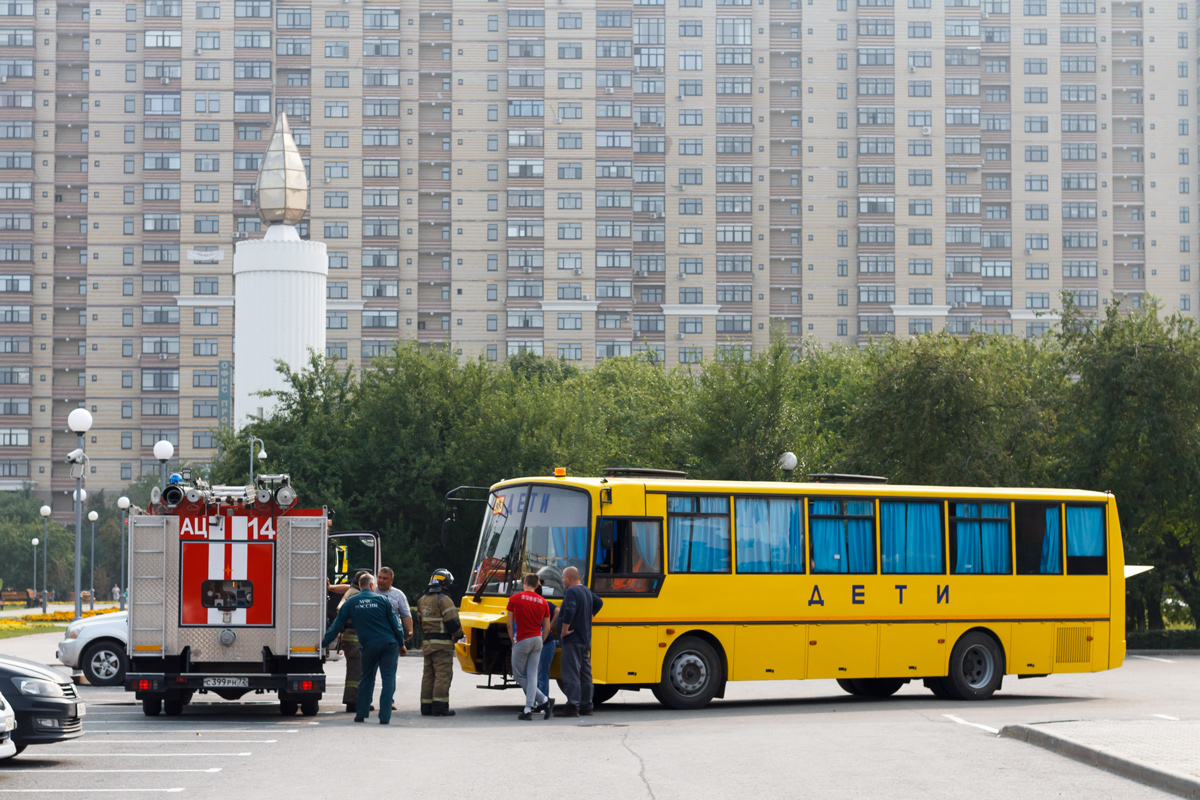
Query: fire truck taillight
(306, 686)
(145, 685)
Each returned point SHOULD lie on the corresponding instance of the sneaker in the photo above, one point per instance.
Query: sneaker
(525, 715)
(567, 710)
(549, 709)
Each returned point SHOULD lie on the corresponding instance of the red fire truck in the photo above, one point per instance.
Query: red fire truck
(227, 594)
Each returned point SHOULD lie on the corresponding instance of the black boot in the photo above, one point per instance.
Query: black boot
(426, 709)
(442, 710)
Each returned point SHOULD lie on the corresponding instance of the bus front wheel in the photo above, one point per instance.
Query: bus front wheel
(872, 687)
(976, 667)
(691, 676)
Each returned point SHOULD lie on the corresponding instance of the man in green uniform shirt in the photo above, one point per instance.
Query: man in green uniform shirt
(381, 640)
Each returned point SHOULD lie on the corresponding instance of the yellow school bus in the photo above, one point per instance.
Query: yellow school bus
(846, 577)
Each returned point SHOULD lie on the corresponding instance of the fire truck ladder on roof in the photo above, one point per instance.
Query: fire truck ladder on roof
(309, 571)
(148, 558)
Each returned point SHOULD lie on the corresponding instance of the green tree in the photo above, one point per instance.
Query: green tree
(1130, 425)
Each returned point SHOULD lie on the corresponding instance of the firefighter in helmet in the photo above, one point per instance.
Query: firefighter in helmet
(440, 628)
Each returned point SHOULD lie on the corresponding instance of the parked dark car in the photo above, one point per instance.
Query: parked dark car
(44, 700)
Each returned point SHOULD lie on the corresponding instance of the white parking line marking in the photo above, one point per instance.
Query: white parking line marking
(1166, 716)
(81, 771)
(89, 791)
(962, 721)
(1152, 658)
(191, 741)
(129, 755)
(182, 730)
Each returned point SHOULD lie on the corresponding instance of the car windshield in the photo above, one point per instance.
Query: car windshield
(538, 529)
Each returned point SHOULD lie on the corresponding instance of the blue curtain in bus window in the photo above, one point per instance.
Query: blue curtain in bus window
(829, 541)
(994, 539)
(1052, 544)
(753, 535)
(925, 538)
(1085, 531)
(571, 544)
(893, 545)
(911, 537)
(969, 559)
(646, 544)
(710, 536)
(860, 544)
(679, 539)
(787, 536)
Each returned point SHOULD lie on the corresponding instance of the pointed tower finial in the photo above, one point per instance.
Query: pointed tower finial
(282, 184)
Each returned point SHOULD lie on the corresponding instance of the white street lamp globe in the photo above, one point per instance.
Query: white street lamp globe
(93, 516)
(35, 541)
(163, 450)
(788, 461)
(45, 511)
(262, 454)
(79, 420)
(80, 495)
(123, 502)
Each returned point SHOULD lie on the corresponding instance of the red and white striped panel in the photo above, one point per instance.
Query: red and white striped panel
(233, 552)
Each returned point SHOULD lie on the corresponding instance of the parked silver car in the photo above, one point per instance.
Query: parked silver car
(96, 646)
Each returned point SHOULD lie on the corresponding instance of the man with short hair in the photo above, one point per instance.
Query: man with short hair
(381, 641)
(579, 605)
(529, 625)
(398, 600)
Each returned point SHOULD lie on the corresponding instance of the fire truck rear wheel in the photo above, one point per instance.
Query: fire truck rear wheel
(173, 706)
(151, 706)
(309, 706)
(288, 707)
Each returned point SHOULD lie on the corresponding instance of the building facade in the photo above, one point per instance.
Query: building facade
(578, 179)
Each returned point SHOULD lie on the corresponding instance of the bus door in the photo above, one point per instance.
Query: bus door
(627, 570)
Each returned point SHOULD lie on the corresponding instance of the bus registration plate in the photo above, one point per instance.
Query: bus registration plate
(243, 683)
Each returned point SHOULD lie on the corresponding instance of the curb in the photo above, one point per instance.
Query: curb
(1156, 777)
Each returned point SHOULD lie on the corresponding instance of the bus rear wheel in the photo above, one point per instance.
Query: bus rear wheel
(691, 676)
(602, 693)
(938, 687)
(976, 667)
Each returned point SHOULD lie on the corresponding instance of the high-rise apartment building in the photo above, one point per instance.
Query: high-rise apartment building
(579, 179)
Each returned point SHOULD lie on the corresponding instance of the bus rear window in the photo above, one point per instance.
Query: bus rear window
(1085, 541)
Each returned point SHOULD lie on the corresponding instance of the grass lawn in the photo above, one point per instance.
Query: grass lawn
(25, 630)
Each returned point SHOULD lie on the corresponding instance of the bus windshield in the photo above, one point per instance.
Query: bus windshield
(538, 529)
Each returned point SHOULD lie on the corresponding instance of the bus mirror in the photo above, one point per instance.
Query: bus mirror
(446, 532)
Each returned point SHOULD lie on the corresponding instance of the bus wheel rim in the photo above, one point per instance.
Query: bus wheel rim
(978, 666)
(689, 673)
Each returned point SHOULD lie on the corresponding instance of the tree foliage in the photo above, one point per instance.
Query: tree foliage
(1110, 405)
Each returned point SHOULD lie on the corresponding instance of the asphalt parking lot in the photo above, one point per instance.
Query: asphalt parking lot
(785, 739)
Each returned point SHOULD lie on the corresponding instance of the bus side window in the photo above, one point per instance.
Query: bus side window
(1039, 539)
(1085, 541)
(628, 558)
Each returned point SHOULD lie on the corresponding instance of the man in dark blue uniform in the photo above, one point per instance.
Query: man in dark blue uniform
(381, 640)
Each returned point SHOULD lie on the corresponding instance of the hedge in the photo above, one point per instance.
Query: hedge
(1175, 639)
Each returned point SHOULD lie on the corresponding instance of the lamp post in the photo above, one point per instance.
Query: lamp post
(92, 517)
(163, 450)
(262, 455)
(79, 421)
(123, 504)
(35, 544)
(45, 512)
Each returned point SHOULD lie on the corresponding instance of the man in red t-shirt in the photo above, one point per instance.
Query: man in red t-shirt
(529, 625)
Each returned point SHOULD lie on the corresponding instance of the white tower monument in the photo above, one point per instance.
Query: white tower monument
(279, 283)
